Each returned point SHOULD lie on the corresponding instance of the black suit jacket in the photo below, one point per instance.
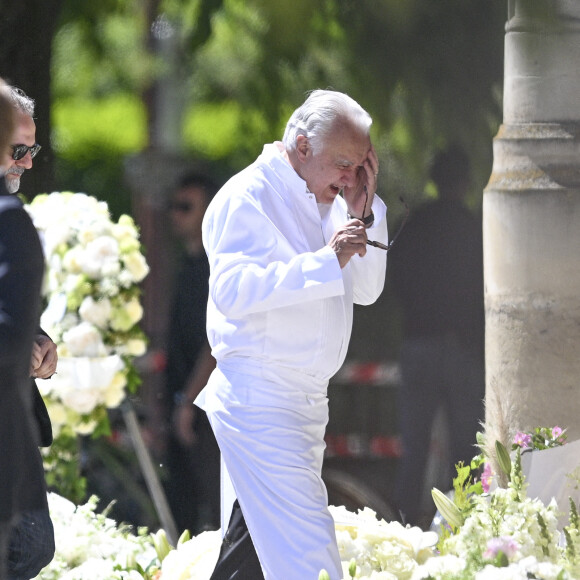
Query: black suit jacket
(22, 486)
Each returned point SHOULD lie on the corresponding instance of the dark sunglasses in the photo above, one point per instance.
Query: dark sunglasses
(181, 206)
(20, 151)
(380, 245)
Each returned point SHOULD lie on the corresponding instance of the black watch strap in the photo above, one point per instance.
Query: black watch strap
(367, 221)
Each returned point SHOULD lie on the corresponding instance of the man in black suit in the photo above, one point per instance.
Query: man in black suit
(31, 544)
(21, 272)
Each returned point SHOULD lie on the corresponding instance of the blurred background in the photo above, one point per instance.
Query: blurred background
(131, 93)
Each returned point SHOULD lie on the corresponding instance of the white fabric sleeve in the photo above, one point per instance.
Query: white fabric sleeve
(368, 272)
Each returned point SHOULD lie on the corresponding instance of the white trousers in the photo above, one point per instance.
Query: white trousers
(271, 437)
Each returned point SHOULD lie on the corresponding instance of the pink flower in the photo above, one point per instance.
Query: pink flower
(556, 432)
(524, 440)
(504, 544)
(486, 477)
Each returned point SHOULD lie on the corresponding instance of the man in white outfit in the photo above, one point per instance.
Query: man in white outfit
(287, 245)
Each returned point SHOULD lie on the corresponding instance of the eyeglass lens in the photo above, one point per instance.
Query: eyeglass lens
(20, 151)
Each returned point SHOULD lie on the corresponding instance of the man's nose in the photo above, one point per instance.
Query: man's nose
(26, 161)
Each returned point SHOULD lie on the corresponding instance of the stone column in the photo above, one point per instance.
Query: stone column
(531, 225)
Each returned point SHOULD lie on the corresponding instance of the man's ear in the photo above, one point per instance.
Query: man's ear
(302, 147)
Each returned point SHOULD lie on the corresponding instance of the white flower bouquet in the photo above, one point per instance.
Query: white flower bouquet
(93, 268)
(91, 546)
(372, 548)
(502, 533)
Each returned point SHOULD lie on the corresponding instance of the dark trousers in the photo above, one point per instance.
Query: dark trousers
(238, 559)
(31, 545)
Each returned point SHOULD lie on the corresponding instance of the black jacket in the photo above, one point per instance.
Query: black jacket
(22, 486)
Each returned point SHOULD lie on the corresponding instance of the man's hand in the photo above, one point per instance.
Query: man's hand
(356, 196)
(348, 240)
(44, 358)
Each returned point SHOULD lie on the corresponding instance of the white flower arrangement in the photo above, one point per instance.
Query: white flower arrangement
(93, 268)
(91, 546)
(194, 559)
(501, 533)
(372, 548)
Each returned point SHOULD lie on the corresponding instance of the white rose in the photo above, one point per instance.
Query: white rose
(82, 401)
(99, 256)
(136, 347)
(195, 558)
(136, 264)
(84, 340)
(73, 282)
(56, 411)
(126, 234)
(127, 315)
(85, 427)
(111, 268)
(126, 279)
(134, 310)
(59, 233)
(132, 347)
(73, 259)
(90, 232)
(108, 287)
(115, 392)
(97, 312)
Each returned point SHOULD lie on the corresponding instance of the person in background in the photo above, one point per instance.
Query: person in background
(288, 258)
(22, 486)
(193, 458)
(437, 272)
(31, 545)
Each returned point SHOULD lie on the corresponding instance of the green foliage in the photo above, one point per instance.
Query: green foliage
(92, 139)
(428, 72)
(216, 131)
(117, 123)
(99, 50)
(133, 377)
(503, 459)
(62, 468)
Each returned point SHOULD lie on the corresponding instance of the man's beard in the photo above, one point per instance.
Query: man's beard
(12, 179)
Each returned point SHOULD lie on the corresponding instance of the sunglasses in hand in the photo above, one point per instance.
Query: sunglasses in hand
(380, 245)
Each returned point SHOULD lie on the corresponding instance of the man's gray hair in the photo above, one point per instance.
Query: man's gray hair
(315, 118)
(21, 101)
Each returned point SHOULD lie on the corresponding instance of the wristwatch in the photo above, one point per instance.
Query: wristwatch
(367, 221)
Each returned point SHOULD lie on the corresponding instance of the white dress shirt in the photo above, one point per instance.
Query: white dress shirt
(277, 295)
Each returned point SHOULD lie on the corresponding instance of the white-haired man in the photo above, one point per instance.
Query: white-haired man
(288, 257)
